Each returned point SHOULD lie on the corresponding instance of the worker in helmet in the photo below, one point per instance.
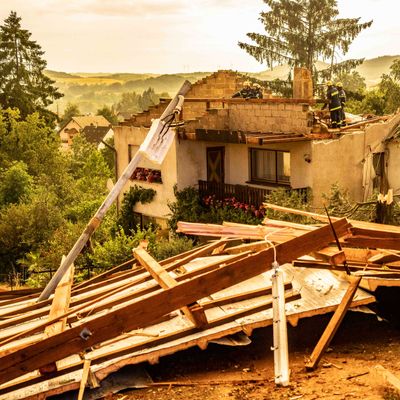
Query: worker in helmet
(245, 92)
(257, 91)
(342, 97)
(332, 95)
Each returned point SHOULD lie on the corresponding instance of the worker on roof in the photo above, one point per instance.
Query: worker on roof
(245, 92)
(257, 91)
(342, 97)
(332, 95)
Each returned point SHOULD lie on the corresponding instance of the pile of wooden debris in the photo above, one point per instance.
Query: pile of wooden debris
(144, 309)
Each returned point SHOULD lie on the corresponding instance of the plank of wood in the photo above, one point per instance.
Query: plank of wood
(255, 246)
(85, 375)
(135, 315)
(366, 241)
(324, 218)
(59, 307)
(333, 258)
(195, 313)
(333, 324)
(374, 233)
(60, 304)
(362, 123)
(353, 266)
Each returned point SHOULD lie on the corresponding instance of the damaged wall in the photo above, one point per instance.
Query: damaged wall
(346, 161)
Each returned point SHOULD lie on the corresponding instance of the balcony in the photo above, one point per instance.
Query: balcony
(242, 193)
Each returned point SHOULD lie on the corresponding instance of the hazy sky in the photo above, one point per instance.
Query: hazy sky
(173, 35)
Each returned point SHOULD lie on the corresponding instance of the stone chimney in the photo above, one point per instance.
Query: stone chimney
(302, 84)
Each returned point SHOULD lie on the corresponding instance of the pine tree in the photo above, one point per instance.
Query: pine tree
(301, 32)
(23, 84)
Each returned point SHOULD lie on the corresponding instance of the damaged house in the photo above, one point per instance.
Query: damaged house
(244, 148)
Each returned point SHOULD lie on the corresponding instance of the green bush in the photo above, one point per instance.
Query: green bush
(163, 249)
(118, 249)
(136, 194)
(292, 199)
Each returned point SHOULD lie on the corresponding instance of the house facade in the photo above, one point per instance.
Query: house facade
(245, 148)
(77, 124)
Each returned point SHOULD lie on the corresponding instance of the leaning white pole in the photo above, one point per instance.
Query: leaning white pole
(158, 141)
(280, 348)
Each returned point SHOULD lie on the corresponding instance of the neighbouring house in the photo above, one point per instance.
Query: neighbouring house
(77, 124)
(97, 134)
(244, 148)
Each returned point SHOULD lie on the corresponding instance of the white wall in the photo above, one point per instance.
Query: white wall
(124, 136)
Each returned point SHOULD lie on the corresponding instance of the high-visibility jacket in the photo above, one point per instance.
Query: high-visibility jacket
(342, 96)
(332, 94)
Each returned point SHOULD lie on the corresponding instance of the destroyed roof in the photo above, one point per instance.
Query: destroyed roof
(126, 316)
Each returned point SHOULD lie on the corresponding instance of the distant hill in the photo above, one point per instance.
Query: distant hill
(373, 69)
(90, 91)
(59, 75)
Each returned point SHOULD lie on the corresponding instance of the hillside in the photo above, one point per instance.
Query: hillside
(90, 91)
(373, 69)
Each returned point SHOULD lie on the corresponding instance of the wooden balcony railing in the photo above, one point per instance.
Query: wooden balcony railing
(242, 193)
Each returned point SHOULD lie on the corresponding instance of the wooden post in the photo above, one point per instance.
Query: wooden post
(334, 323)
(99, 215)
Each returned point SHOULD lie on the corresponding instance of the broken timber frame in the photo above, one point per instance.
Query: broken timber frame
(139, 313)
(173, 107)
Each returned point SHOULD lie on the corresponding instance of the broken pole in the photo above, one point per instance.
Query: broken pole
(158, 133)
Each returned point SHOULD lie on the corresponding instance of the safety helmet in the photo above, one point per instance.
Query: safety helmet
(246, 83)
(329, 83)
(256, 85)
(339, 84)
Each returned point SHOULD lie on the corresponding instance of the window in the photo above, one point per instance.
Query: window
(270, 166)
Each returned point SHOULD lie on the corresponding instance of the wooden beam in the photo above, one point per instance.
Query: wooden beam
(374, 233)
(366, 241)
(255, 246)
(84, 379)
(333, 324)
(137, 314)
(362, 123)
(60, 305)
(196, 313)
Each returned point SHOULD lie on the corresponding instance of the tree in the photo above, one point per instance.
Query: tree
(72, 110)
(23, 84)
(109, 114)
(301, 32)
(15, 183)
(390, 88)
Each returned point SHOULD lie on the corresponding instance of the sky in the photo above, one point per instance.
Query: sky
(169, 36)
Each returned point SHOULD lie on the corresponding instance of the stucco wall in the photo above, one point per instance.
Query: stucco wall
(342, 161)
